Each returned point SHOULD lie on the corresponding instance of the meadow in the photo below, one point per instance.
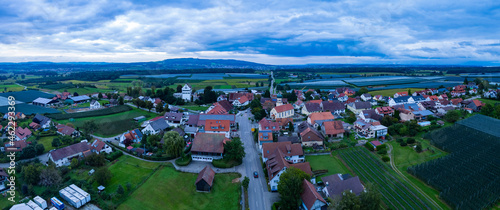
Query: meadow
(327, 162)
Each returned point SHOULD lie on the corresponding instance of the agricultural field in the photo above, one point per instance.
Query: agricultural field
(327, 162)
(10, 87)
(390, 92)
(170, 189)
(382, 80)
(395, 193)
(468, 178)
(489, 101)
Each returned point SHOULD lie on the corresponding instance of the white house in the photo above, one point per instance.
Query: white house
(366, 97)
(241, 101)
(186, 92)
(94, 104)
(98, 147)
(63, 156)
(155, 127)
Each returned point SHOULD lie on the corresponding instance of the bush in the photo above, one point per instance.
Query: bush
(403, 144)
(381, 147)
(386, 158)
(100, 112)
(184, 161)
(369, 146)
(114, 155)
(410, 141)
(382, 151)
(399, 140)
(224, 163)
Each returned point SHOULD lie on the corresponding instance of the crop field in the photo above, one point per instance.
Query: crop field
(382, 80)
(319, 83)
(390, 92)
(395, 193)
(10, 87)
(468, 178)
(170, 189)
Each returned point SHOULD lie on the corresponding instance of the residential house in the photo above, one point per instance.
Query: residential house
(370, 114)
(406, 100)
(292, 152)
(241, 101)
(311, 199)
(366, 97)
(315, 119)
(205, 180)
(64, 155)
(457, 102)
(269, 126)
(114, 102)
(357, 107)
(378, 97)
(405, 114)
(208, 147)
(156, 126)
(277, 164)
(476, 105)
(333, 129)
(336, 184)
(16, 146)
(428, 105)
(345, 90)
(294, 139)
(222, 97)
(491, 94)
(422, 115)
(311, 108)
(94, 104)
(311, 138)
(284, 123)
(333, 107)
(384, 111)
(283, 111)
(98, 147)
(22, 133)
(235, 96)
(203, 117)
(173, 119)
(187, 90)
(370, 128)
(220, 107)
(218, 126)
(399, 94)
(35, 126)
(342, 97)
(67, 131)
(43, 121)
(264, 137)
(443, 110)
(298, 105)
(130, 137)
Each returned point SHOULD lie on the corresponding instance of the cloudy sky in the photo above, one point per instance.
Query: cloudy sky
(270, 32)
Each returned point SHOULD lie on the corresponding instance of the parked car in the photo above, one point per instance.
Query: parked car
(255, 174)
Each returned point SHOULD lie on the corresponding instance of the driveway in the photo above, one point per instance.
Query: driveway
(258, 195)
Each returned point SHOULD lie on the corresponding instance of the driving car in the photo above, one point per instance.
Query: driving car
(255, 174)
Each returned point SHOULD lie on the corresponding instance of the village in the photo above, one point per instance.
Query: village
(258, 134)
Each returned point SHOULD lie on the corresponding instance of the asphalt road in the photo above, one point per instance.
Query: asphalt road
(258, 196)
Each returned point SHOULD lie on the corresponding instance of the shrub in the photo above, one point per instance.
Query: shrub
(224, 163)
(380, 147)
(114, 155)
(382, 151)
(184, 161)
(386, 158)
(399, 140)
(403, 144)
(369, 146)
(410, 141)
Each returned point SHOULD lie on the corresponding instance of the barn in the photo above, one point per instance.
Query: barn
(205, 180)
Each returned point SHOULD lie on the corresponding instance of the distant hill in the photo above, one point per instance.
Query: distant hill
(169, 64)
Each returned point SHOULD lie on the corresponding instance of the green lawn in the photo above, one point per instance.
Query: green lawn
(114, 124)
(328, 162)
(489, 101)
(390, 92)
(129, 170)
(47, 142)
(196, 108)
(170, 189)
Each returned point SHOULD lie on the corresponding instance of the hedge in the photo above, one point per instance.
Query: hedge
(183, 161)
(114, 155)
(224, 163)
(100, 112)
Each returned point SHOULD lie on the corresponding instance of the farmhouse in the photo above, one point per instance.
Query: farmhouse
(205, 180)
(476, 105)
(208, 146)
(63, 156)
(311, 199)
(94, 104)
(336, 184)
(357, 107)
(45, 102)
(66, 130)
(80, 99)
(283, 111)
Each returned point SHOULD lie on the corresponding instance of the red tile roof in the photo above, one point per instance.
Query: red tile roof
(208, 142)
(385, 110)
(269, 149)
(320, 116)
(265, 136)
(23, 132)
(217, 110)
(207, 174)
(333, 127)
(309, 194)
(283, 108)
(310, 134)
(267, 125)
(217, 125)
(315, 101)
(64, 129)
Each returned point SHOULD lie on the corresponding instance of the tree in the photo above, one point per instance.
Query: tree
(136, 102)
(246, 182)
(290, 187)
(120, 190)
(351, 118)
(121, 100)
(28, 152)
(99, 95)
(49, 176)
(95, 160)
(362, 91)
(487, 110)
(466, 81)
(74, 163)
(159, 107)
(56, 142)
(370, 198)
(153, 140)
(39, 148)
(349, 201)
(75, 94)
(409, 91)
(290, 126)
(418, 148)
(234, 150)
(103, 175)
(149, 105)
(452, 116)
(90, 126)
(129, 186)
(31, 173)
(267, 94)
(174, 143)
(179, 88)
(209, 96)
